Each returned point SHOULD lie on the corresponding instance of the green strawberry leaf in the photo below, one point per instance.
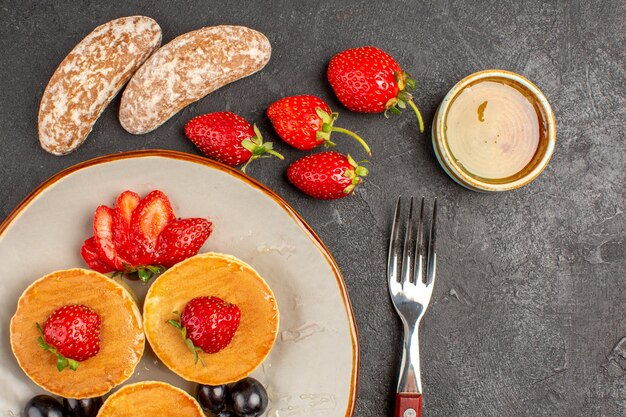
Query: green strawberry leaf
(183, 332)
(62, 361)
(144, 274)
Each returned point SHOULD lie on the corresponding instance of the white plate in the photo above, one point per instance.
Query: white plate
(313, 368)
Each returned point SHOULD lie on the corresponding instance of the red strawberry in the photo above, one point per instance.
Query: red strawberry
(103, 223)
(306, 122)
(369, 80)
(91, 255)
(126, 203)
(72, 332)
(148, 220)
(326, 175)
(182, 239)
(210, 322)
(228, 138)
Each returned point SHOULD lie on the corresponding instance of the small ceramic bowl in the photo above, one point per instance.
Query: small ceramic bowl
(545, 146)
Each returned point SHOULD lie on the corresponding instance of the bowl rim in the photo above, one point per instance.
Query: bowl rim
(448, 162)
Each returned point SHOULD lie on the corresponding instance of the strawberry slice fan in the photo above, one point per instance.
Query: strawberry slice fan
(140, 238)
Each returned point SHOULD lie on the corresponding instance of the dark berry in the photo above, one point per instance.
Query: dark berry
(87, 407)
(248, 397)
(212, 398)
(44, 406)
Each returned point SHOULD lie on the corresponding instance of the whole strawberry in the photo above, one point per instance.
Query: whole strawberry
(228, 138)
(72, 333)
(369, 80)
(208, 324)
(326, 175)
(306, 122)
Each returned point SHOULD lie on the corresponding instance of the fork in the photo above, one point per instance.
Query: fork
(411, 269)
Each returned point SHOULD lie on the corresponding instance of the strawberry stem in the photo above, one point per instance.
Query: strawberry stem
(404, 97)
(258, 148)
(353, 135)
(354, 174)
(62, 361)
(183, 332)
(420, 120)
(146, 273)
(327, 127)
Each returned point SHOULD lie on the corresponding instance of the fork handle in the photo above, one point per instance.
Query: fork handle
(408, 404)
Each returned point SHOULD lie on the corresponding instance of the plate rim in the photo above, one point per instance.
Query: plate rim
(187, 157)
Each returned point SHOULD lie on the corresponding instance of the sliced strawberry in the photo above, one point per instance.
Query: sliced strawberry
(90, 254)
(148, 220)
(122, 239)
(103, 236)
(182, 239)
(126, 203)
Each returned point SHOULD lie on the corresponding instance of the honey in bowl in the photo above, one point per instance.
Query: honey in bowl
(494, 131)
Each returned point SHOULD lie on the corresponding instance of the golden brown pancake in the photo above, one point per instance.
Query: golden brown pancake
(150, 399)
(121, 333)
(233, 281)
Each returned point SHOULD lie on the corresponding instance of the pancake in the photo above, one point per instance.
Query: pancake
(121, 335)
(233, 281)
(150, 399)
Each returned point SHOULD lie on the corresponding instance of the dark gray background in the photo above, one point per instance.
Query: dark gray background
(530, 300)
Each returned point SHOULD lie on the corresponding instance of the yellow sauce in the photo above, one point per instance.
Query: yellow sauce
(493, 129)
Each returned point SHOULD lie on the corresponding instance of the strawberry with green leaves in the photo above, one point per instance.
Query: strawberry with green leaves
(228, 138)
(142, 237)
(207, 324)
(72, 333)
(306, 122)
(369, 80)
(327, 175)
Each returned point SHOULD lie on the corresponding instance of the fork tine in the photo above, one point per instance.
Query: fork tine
(418, 276)
(407, 255)
(394, 246)
(432, 247)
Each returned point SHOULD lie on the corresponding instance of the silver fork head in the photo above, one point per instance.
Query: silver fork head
(411, 266)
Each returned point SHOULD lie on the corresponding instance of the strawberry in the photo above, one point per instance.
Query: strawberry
(126, 203)
(207, 323)
(72, 333)
(103, 223)
(306, 122)
(148, 220)
(91, 255)
(182, 239)
(369, 80)
(326, 175)
(141, 237)
(228, 138)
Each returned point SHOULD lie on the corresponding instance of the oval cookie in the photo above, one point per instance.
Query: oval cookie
(187, 69)
(89, 77)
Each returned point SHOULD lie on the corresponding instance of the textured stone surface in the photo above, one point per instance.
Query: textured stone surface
(530, 305)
